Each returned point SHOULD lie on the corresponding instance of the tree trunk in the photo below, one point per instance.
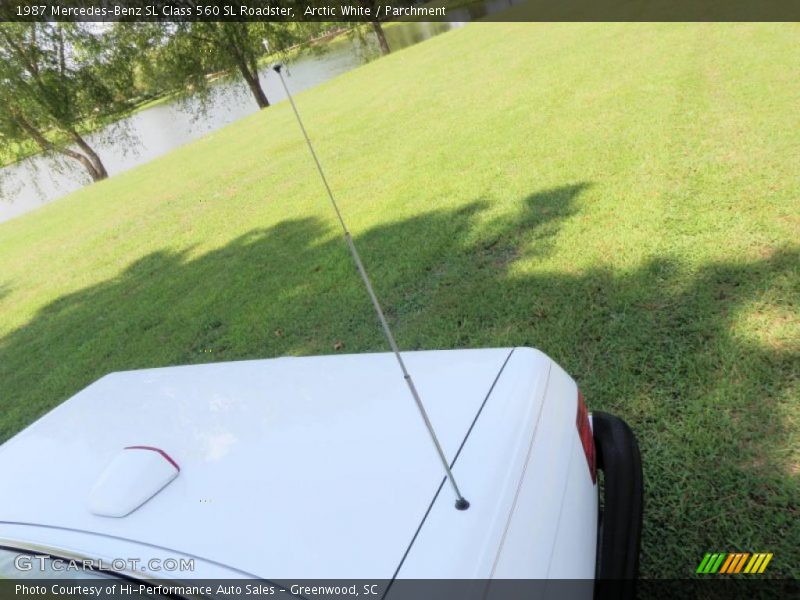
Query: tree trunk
(376, 25)
(100, 169)
(87, 164)
(231, 35)
(255, 86)
(96, 170)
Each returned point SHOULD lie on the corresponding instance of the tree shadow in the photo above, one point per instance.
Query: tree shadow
(657, 345)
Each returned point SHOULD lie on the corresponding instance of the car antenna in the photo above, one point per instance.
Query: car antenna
(461, 502)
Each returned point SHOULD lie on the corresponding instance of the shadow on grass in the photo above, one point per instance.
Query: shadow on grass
(656, 345)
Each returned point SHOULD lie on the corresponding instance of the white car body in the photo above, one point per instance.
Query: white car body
(320, 468)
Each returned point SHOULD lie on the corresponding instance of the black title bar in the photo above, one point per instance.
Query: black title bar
(399, 10)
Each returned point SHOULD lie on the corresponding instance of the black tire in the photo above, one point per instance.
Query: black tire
(620, 522)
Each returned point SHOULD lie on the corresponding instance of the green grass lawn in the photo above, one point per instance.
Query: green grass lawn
(625, 197)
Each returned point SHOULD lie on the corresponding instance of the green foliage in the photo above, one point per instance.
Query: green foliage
(109, 69)
(181, 57)
(62, 75)
(56, 79)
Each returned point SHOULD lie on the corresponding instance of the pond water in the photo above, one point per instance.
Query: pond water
(154, 131)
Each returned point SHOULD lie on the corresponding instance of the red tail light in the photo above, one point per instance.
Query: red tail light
(587, 438)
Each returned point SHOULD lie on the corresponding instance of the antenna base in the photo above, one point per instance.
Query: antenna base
(462, 504)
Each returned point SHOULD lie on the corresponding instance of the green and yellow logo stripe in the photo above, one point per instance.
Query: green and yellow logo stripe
(734, 562)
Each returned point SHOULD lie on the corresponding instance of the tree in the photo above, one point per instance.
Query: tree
(187, 53)
(377, 28)
(57, 79)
